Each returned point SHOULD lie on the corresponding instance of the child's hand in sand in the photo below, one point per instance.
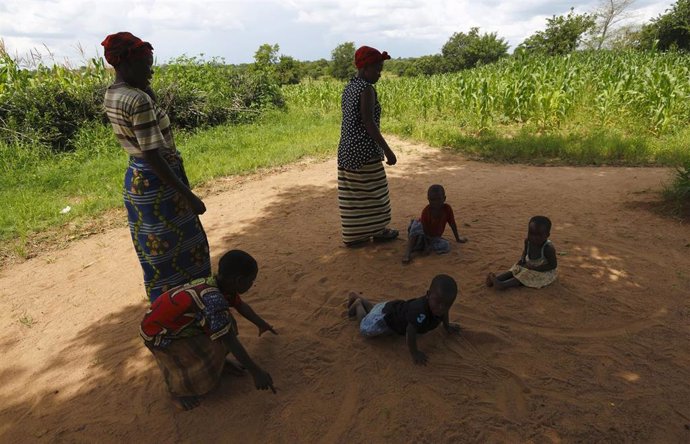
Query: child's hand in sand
(262, 380)
(263, 328)
(453, 329)
(419, 358)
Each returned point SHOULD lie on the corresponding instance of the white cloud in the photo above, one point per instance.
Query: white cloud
(307, 29)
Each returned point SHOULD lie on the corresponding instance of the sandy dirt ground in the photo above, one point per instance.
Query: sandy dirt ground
(603, 355)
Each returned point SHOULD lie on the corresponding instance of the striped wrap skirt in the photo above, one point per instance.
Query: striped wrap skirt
(168, 237)
(365, 208)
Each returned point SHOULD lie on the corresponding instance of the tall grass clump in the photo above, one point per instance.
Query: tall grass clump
(677, 193)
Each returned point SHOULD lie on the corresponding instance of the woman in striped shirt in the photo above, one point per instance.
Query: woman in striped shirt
(162, 209)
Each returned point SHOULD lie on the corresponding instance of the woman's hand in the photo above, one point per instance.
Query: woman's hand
(390, 158)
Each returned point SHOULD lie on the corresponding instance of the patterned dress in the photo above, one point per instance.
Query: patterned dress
(533, 278)
(363, 197)
(168, 237)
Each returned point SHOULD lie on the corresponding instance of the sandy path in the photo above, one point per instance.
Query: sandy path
(602, 355)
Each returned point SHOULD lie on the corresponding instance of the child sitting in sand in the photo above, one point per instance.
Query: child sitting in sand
(537, 265)
(410, 318)
(424, 234)
(189, 330)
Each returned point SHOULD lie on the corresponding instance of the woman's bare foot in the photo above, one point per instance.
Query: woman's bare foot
(490, 279)
(186, 402)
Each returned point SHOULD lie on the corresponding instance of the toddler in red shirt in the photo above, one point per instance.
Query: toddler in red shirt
(425, 234)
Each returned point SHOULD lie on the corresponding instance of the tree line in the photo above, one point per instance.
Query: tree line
(602, 29)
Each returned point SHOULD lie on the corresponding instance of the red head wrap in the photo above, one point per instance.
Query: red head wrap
(124, 46)
(366, 55)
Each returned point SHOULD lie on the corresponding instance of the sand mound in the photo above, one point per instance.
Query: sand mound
(602, 355)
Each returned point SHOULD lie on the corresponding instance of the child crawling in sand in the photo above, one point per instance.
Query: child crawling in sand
(537, 265)
(190, 331)
(410, 318)
(424, 234)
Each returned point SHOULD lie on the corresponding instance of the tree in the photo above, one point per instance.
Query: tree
(607, 15)
(429, 65)
(670, 30)
(626, 37)
(287, 70)
(561, 36)
(266, 57)
(342, 61)
(463, 51)
(316, 68)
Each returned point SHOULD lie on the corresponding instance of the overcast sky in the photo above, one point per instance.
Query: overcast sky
(304, 29)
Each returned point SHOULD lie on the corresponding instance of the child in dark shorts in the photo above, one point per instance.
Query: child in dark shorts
(410, 318)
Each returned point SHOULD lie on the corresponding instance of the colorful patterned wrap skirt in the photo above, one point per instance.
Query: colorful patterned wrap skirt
(170, 242)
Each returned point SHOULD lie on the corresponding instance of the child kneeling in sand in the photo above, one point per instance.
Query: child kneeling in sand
(424, 234)
(190, 331)
(410, 318)
(537, 265)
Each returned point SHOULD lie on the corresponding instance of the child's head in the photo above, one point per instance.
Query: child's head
(237, 271)
(539, 229)
(436, 195)
(441, 294)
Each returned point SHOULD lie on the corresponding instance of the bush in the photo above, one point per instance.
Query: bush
(48, 105)
(669, 31)
(199, 93)
(469, 50)
(678, 193)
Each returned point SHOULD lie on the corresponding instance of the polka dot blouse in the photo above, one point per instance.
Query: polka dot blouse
(356, 145)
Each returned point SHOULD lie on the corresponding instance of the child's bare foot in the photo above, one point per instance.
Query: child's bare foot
(406, 259)
(186, 402)
(462, 239)
(352, 304)
(490, 279)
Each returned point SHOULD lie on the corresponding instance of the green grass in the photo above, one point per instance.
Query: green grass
(35, 185)
(574, 144)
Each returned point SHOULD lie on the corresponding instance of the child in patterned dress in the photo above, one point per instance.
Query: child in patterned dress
(537, 265)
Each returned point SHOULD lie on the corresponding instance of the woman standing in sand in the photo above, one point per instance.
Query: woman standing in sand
(365, 210)
(161, 208)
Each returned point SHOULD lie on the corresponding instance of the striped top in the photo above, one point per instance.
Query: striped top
(139, 124)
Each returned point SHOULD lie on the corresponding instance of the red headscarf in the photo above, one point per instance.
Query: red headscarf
(367, 55)
(124, 46)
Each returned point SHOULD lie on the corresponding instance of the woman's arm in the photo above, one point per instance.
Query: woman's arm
(165, 173)
(366, 110)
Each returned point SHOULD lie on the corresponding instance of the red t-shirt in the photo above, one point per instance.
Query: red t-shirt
(434, 227)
